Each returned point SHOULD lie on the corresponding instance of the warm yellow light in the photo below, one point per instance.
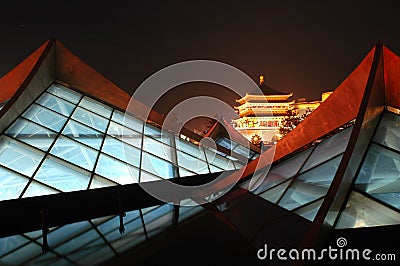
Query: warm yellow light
(261, 79)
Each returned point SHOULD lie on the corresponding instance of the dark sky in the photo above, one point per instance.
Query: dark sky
(304, 47)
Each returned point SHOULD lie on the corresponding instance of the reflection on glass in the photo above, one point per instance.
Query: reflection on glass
(309, 211)
(23, 254)
(116, 170)
(189, 162)
(74, 152)
(184, 172)
(18, 156)
(388, 132)
(45, 117)
(190, 148)
(275, 193)
(361, 211)
(92, 120)
(36, 189)
(157, 148)
(31, 133)
(158, 219)
(379, 175)
(11, 185)
(83, 134)
(157, 166)
(157, 134)
(127, 135)
(280, 172)
(99, 182)
(65, 93)
(328, 149)
(122, 151)
(10, 243)
(310, 185)
(96, 107)
(64, 177)
(56, 104)
(128, 121)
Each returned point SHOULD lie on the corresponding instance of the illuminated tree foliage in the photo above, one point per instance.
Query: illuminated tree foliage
(291, 120)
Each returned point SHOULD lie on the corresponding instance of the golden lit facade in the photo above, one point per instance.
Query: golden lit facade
(261, 115)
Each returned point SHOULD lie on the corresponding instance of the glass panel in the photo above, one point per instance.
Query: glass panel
(281, 171)
(92, 255)
(45, 117)
(220, 162)
(90, 119)
(19, 157)
(127, 135)
(96, 107)
(11, 185)
(183, 172)
(109, 225)
(10, 243)
(133, 235)
(116, 170)
(36, 189)
(56, 104)
(310, 185)
(214, 169)
(127, 121)
(275, 193)
(238, 164)
(361, 211)
(156, 133)
(122, 151)
(34, 234)
(157, 166)
(158, 219)
(246, 152)
(380, 175)
(189, 162)
(19, 256)
(64, 93)
(62, 234)
(190, 148)
(147, 177)
(224, 142)
(31, 133)
(88, 238)
(83, 134)
(98, 182)
(328, 149)
(157, 148)
(388, 132)
(309, 211)
(50, 259)
(62, 176)
(74, 152)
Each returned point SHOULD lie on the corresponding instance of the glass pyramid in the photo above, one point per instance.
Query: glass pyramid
(375, 199)
(66, 141)
(300, 183)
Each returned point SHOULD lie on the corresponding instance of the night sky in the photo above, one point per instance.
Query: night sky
(304, 47)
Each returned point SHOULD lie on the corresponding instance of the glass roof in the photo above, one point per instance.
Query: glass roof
(65, 141)
(90, 242)
(375, 199)
(300, 183)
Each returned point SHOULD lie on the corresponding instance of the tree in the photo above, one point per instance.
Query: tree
(291, 120)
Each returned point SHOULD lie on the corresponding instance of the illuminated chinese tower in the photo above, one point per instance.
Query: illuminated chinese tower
(260, 114)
